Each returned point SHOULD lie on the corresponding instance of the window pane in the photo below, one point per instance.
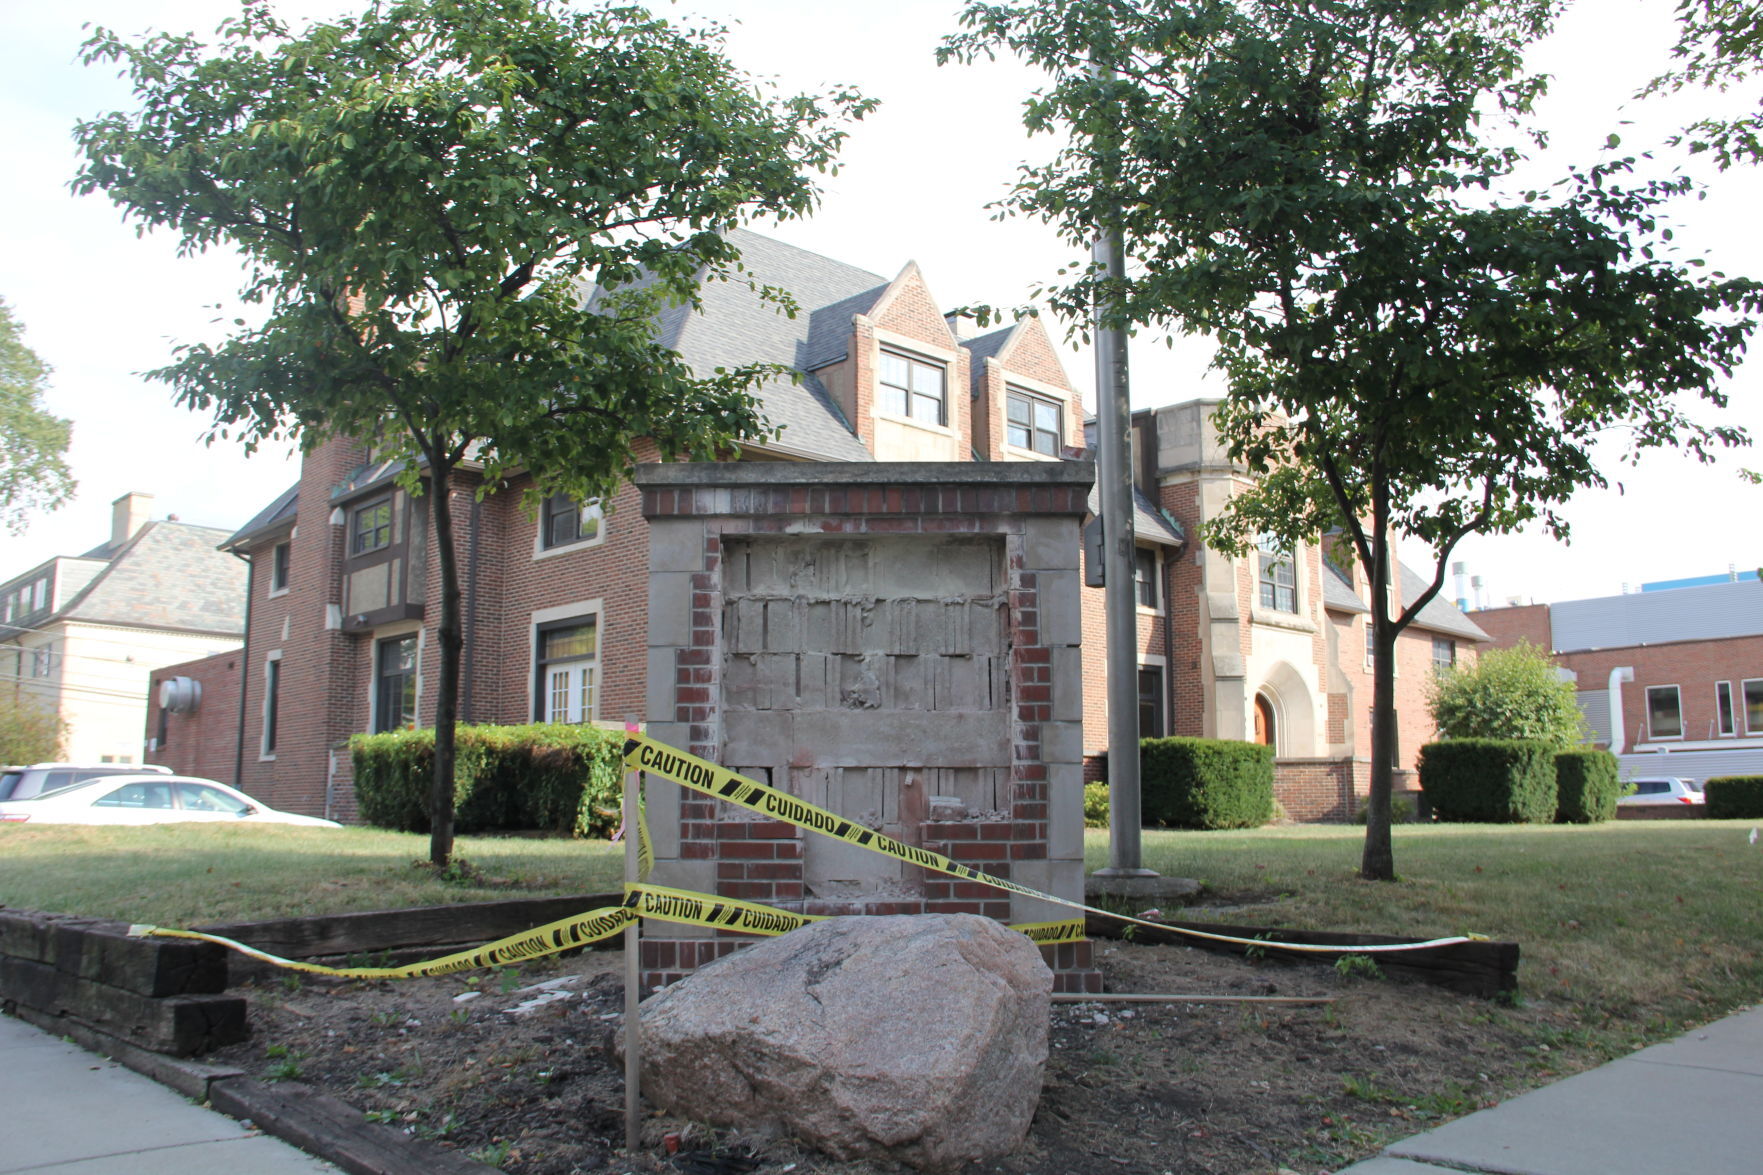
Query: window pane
(1723, 706)
(1046, 415)
(1017, 435)
(927, 408)
(895, 370)
(893, 400)
(1150, 702)
(1664, 716)
(927, 379)
(1017, 409)
(1754, 706)
(1145, 576)
(576, 641)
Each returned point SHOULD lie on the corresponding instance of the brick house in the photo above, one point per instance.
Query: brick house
(1271, 648)
(340, 620)
(1674, 669)
(80, 634)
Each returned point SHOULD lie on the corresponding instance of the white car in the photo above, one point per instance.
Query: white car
(149, 799)
(1668, 790)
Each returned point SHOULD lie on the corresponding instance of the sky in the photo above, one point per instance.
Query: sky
(102, 304)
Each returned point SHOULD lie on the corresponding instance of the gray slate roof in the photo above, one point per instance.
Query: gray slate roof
(735, 326)
(278, 513)
(169, 575)
(1338, 594)
(1149, 524)
(1439, 615)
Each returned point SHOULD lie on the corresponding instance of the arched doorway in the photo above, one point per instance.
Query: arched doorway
(1266, 731)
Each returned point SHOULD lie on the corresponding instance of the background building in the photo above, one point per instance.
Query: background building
(80, 634)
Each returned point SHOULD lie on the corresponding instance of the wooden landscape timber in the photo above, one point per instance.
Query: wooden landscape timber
(1482, 968)
(398, 931)
(160, 995)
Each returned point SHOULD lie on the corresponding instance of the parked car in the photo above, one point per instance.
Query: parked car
(149, 799)
(1664, 790)
(24, 783)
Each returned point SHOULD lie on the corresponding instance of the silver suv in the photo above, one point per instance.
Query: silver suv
(27, 783)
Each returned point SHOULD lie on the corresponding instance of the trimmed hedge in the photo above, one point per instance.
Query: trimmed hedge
(1205, 783)
(552, 777)
(1489, 780)
(1734, 797)
(1586, 786)
(1096, 804)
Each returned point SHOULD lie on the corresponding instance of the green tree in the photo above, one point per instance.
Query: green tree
(29, 731)
(423, 195)
(33, 444)
(1412, 348)
(1507, 693)
(1719, 46)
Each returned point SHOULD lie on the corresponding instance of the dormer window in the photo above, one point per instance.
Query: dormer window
(1032, 422)
(371, 528)
(913, 387)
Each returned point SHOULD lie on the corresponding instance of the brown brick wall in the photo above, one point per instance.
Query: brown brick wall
(1693, 666)
(199, 742)
(1508, 626)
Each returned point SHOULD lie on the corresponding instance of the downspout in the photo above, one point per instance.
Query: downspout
(471, 569)
(1169, 641)
(1618, 731)
(244, 671)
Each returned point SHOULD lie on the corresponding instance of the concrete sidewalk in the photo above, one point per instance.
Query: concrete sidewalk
(1692, 1105)
(71, 1112)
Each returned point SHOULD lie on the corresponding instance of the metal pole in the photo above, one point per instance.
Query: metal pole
(1121, 617)
(632, 976)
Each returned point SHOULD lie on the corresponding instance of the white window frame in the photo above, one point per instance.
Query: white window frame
(379, 637)
(288, 546)
(1744, 705)
(1014, 390)
(1158, 662)
(272, 697)
(1647, 702)
(1156, 581)
(1263, 552)
(544, 617)
(541, 551)
(1729, 711)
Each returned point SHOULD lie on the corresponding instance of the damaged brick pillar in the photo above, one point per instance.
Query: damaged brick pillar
(898, 643)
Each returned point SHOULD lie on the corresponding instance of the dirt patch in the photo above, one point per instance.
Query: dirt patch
(517, 1068)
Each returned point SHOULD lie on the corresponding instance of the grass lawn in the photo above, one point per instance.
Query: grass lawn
(191, 874)
(1638, 928)
(1629, 929)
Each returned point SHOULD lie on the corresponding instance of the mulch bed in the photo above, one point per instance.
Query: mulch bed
(1188, 1088)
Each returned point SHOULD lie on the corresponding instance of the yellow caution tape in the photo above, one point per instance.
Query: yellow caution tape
(641, 901)
(549, 939)
(644, 753)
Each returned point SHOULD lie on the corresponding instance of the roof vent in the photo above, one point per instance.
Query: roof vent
(180, 695)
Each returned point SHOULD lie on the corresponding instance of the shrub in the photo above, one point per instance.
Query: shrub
(1205, 782)
(1401, 811)
(29, 731)
(553, 777)
(1511, 693)
(1096, 804)
(1734, 797)
(1586, 786)
(1486, 780)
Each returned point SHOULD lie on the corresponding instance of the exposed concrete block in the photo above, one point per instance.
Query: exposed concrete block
(661, 799)
(670, 608)
(697, 876)
(676, 544)
(783, 631)
(1068, 683)
(1062, 742)
(1061, 611)
(760, 736)
(1050, 544)
(659, 700)
(1065, 811)
(1060, 878)
(863, 738)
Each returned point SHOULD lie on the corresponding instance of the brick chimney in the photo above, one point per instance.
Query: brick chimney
(128, 514)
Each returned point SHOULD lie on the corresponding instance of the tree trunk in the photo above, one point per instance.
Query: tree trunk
(451, 638)
(1379, 861)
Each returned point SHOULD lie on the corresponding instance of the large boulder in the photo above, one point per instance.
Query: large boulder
(916, 1038)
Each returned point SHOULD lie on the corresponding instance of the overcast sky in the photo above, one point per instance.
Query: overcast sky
(101, 304)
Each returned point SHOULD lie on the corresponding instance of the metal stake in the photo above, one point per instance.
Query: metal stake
(632, 972)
